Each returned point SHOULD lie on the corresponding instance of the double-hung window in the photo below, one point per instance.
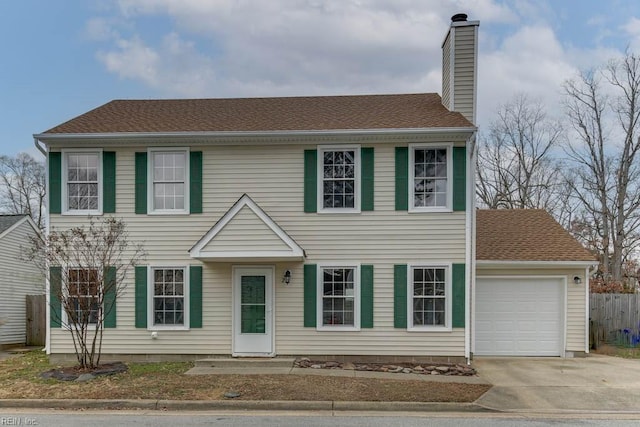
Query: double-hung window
(168, 295)
(84, 298)
(82, 182)
(338, 297)
(429, 296)
(169, 171)
(431, 178)
(339, 179)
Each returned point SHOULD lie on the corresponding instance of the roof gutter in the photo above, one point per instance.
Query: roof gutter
(534, 264)
(44, 137)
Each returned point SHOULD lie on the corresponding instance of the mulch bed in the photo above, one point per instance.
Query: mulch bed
(77, 373)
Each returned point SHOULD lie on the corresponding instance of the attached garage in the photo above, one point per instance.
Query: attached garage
(531, 287)
(519, 316)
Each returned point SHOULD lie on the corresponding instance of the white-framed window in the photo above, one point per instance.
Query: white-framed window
(83, 296)
(338, 297)
(168, 292)
(168, 180)
(339, 179)
(431, 177)
(82, 182)
(429, 297)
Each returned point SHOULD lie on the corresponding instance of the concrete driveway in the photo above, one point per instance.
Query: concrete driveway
(595, 383)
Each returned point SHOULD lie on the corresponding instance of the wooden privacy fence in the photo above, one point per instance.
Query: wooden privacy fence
(36, 319)
(614, 319)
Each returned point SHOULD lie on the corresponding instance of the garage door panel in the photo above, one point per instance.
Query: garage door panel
(519, 317)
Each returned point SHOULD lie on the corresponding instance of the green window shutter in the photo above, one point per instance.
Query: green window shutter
(458, 298)
(141, 296)
(400, 296)
(141, 183)
(459, 178)
(366, 296)
(195, 182)
(402, 178)
(366, 155)
(310, 292)
(55, 289)
(55, 183)
(110, 293)
(109, 182)
(310, 181)
(195, 296)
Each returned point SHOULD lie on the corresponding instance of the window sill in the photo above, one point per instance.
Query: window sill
(430, 210)
(165, 213)
(338, 329)
(335, 211)
(429, 329)
(158, 328)
(82, 213)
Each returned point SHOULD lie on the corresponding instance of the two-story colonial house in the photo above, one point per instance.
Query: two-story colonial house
(322, 226)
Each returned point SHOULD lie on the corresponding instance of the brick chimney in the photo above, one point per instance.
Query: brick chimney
(460, 65)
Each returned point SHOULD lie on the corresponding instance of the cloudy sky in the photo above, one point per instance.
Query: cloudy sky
(62, 58)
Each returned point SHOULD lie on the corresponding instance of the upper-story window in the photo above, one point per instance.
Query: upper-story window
(83, 176)
(339, 179)
(431, 183)
(169, 185)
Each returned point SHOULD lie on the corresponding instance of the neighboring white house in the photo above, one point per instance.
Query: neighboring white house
(17, 278)
(335, 226)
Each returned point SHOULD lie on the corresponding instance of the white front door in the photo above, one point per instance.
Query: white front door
(253, 311)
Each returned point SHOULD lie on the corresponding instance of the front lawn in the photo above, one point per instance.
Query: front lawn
(19, 379)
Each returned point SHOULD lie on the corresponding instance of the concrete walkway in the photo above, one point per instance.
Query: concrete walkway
(593, 384)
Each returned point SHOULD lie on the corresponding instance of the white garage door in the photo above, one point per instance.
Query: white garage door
(519, 317)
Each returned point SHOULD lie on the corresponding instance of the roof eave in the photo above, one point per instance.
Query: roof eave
(226, 135)
(500, 264)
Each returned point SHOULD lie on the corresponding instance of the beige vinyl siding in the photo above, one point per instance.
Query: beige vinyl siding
(575, 324)
(272, 175)
(446, 72)
(464, 71)
(246, 231)
(17, 279)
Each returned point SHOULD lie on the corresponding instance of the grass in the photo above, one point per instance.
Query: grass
(19, 379)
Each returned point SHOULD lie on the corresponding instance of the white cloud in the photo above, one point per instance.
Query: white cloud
(632, 29)
(228, 48)
(133, 59)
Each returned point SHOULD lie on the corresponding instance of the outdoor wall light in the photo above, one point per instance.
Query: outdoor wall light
(286, 279)
(577, 280)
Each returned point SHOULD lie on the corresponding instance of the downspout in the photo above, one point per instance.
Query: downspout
(470, 234)
(47, 296)
(36, 142)
(587, 275)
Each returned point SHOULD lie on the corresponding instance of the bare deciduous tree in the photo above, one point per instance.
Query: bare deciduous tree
(22, 186)
(516, 168)
(603, 107)
(87, 266)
